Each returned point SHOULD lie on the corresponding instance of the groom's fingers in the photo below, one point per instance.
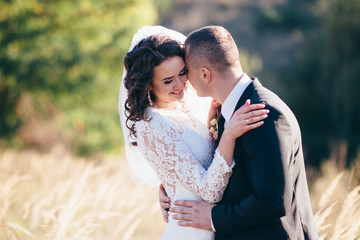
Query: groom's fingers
(185, 203)
(165, 213)
(162, 194)
(186, 223)
(164, 205)
(163, 198)
(183, 217)
(254, 125)
(183, 210)
(165, 216)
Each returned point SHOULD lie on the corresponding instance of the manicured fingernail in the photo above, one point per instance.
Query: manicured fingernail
(265, 115)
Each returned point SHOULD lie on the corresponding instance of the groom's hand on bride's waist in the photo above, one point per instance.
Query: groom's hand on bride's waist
(193, 213)
(164, 203)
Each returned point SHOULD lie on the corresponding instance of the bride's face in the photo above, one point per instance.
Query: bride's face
(169, 81)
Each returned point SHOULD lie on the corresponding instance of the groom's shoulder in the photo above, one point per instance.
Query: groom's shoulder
(262, 92)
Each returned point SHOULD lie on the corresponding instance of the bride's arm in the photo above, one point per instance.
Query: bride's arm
(172, 160)
(170, 157)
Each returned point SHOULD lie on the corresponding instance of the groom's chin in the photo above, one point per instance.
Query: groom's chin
(201, 94)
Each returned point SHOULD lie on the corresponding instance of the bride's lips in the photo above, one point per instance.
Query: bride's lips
(178, 93)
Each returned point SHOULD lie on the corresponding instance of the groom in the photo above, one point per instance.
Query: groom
(267, 195)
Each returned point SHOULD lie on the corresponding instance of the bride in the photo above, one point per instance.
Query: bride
(165, 139)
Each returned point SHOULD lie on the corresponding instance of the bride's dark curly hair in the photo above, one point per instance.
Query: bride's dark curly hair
(139, 64)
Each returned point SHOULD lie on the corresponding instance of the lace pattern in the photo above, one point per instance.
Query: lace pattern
(180, 151)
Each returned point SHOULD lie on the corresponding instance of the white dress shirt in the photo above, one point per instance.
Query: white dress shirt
(228, 107)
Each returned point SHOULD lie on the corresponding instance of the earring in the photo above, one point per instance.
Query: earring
(149, 98)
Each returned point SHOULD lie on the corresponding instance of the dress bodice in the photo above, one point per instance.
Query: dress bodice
(181, 152)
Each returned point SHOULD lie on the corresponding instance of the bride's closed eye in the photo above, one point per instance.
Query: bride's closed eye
(168, 80)
(184, 71)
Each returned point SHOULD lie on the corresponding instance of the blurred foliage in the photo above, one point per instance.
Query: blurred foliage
(60, 70)
(322, 79)
(61, 66)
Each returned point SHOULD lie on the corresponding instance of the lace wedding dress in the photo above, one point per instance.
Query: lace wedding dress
(180, 150)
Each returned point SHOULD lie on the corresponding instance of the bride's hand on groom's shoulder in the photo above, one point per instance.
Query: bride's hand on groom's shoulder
(246, 118)
(164, 203)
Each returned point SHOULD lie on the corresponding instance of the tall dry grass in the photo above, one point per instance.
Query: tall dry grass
(57, 196)
(336, 203)
(60, 197)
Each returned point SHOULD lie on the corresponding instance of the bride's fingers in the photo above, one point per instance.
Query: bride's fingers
(252, 114)
(164, 205)
(247, 108)
(247, 102)
(165, 213)
(255, 119)
(254, 125)
(252, 107)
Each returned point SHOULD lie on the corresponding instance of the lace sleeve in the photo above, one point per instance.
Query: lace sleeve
(162, 145)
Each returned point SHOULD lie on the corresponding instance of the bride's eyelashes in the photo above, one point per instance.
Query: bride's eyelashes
(168, 81)
(183, 72)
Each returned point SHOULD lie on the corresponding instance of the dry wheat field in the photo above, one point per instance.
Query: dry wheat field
(61, 197)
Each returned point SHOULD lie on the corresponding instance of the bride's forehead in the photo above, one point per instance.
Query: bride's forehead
(170, 65)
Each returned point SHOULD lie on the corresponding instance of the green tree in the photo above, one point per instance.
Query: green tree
(322, 77)
(67, 56)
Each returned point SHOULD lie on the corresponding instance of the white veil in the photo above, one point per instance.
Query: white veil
(140, 168)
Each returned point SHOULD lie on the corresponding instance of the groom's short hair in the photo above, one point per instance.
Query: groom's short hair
(211, 45)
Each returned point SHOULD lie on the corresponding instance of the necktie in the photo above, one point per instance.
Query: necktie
(221, 123)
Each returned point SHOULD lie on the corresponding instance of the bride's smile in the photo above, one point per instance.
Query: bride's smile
(169, 81)
(178, 93)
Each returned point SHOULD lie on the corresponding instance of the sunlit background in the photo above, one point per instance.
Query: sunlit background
(63, 174)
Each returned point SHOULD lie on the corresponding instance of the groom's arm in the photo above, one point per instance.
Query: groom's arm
(270, 151)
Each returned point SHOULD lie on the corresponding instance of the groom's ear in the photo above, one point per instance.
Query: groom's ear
(206, 75)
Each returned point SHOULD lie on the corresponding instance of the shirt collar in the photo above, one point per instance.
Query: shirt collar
(228, 107)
